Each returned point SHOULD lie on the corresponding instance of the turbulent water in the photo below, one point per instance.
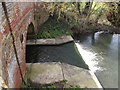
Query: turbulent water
(100, 52)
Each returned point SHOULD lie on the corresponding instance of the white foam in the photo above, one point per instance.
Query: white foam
(89, 58)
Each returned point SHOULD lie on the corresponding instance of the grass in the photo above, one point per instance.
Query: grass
(27, 76)
(65, 81)
(74, 88)
(53, 28)
(54, 86)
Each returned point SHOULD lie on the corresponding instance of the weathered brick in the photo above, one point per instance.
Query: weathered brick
(20, 16)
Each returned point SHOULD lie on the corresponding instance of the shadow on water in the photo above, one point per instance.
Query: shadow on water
(65, 53)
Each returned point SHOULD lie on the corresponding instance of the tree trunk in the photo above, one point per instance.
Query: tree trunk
(87, 7)
(78, 7)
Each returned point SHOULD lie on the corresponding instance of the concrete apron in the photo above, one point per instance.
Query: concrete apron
(52, 72)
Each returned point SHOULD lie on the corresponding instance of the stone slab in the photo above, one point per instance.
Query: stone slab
(45, 73)
(51, 72)
(78, 77)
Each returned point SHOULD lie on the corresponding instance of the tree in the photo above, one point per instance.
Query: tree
(114, 13)
(87, 8)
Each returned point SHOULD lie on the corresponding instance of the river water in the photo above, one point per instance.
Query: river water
(100, 52)
(65, 53)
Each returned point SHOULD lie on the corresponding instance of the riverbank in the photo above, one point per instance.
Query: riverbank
(54, 28)
(108, 29)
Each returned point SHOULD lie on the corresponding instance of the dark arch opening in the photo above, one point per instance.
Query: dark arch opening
(30, 35)
(31, 31)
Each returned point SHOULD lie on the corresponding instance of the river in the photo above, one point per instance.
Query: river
(100, 52)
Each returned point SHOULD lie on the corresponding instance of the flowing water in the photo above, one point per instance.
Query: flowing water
(100, 52)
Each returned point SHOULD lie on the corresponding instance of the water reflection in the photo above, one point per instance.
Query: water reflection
(103, 39)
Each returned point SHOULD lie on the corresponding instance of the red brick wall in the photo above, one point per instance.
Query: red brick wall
(20, 14)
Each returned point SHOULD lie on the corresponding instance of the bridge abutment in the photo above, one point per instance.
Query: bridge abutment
(20, 15)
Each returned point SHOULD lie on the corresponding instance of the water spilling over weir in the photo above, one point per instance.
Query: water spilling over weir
(101, 55)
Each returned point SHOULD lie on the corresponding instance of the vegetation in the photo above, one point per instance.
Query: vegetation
(53, 28)
(27, 79)
(86, 16)
(113, 14)
(74, 88)
(51, 86)
(80, 17)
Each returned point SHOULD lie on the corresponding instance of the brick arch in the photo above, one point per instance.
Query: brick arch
(22, 15)
(22, 29)
(21, 39)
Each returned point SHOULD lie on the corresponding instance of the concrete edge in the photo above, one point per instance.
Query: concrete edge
(93, 75)
(95, 79)
(53, 41)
